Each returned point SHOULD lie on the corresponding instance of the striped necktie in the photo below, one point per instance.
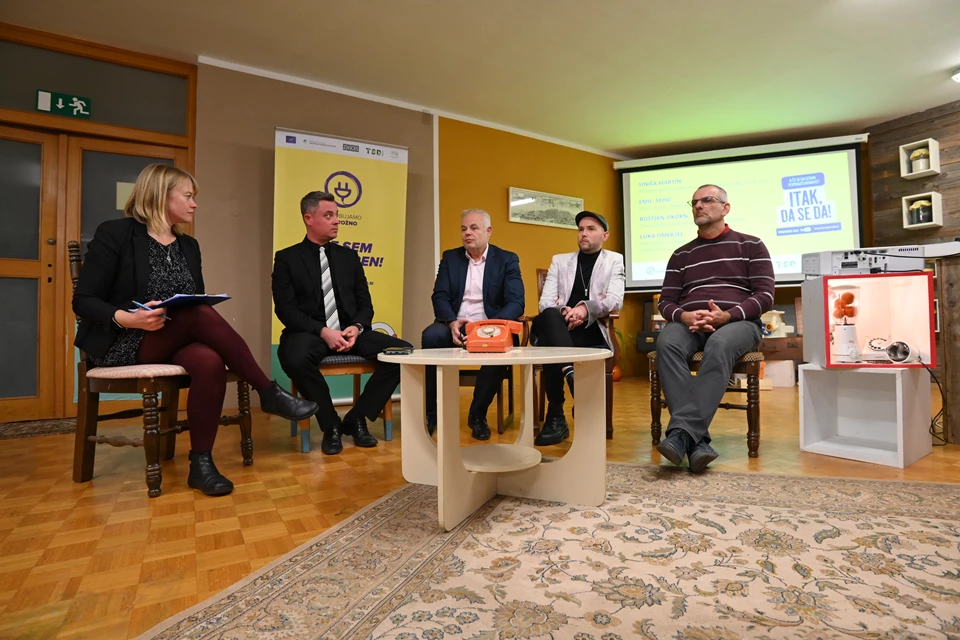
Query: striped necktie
(329, 300)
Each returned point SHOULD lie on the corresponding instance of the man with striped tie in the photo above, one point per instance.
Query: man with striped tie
(320, 295)
(714, 290)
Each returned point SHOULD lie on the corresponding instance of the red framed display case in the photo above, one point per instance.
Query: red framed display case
(850, 321)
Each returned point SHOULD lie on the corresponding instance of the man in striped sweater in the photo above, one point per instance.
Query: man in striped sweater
(714, 291)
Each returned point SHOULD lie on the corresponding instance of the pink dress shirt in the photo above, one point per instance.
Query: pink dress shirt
(471, 308)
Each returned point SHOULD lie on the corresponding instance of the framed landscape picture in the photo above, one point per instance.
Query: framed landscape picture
(547, 209)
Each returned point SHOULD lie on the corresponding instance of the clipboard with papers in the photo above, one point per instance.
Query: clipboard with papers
(183, 299)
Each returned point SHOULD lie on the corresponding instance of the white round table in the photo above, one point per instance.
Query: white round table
(468, 477)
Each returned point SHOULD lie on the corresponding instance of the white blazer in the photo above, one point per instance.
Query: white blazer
(606, 286)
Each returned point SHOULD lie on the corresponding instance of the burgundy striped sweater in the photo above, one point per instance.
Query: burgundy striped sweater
(733, 269)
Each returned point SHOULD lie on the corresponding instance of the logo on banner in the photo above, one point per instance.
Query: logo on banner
(351, 147)
(291, 139)
(383, 327)
(345, 187)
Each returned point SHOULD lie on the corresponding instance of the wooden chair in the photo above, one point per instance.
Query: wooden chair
(748, 364)
(154, 382)
(345, 365)
(540, 397)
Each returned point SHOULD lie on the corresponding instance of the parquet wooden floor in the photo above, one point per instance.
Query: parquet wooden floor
(101, 560)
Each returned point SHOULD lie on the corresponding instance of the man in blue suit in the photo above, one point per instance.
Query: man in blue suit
(478, 281)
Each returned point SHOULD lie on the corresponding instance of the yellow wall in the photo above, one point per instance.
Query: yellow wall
(478, 165)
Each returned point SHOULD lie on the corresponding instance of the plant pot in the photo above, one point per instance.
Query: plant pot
(616, 373)
(920, 164)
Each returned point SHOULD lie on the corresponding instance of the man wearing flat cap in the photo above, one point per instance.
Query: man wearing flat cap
(581, 290)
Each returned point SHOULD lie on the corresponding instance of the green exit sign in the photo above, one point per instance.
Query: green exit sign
(63, 104)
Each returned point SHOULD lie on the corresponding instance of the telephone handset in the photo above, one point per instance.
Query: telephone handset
(491, 336)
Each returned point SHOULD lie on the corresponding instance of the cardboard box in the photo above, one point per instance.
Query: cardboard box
(782, 348)
(780, 373)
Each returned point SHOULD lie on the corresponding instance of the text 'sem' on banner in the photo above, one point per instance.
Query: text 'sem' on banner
(369, 183)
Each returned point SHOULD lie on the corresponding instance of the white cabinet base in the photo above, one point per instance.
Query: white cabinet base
(872, 415)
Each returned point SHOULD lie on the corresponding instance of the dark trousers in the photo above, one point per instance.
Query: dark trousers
(489, 379)
(300, 355)
(693, 400)
(198, 339)
(550, 330)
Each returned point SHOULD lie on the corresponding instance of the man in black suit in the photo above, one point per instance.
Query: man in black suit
(320, 295)
(478, 281)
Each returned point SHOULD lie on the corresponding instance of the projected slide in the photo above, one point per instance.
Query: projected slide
(796, 204)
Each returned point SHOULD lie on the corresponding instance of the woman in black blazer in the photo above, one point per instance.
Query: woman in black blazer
(145, 258)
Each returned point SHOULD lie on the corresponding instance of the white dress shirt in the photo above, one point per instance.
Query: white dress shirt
(471, 308)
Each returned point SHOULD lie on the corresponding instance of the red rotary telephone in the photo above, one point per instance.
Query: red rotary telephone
(491, 336)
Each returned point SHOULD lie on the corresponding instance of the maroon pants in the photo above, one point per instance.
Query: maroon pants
(198, 339)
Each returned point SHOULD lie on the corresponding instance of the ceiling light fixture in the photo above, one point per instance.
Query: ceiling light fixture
(956, 75)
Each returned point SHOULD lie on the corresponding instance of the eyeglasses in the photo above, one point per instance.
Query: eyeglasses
(706, 200)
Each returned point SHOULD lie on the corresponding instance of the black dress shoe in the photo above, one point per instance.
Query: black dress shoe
(431, 422)
(701, 456)
(479, 428)
(280, 402)
(205, 476)
(356, 426)
(331, 444)
(676, 446)
(554, 431)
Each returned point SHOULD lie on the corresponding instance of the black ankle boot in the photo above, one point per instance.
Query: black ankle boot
(278, 401)
(356, 426)
(555, 430)
(205, 476)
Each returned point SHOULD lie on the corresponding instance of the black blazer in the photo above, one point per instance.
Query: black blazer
(115, 272)
(502, 285)
(297, 293)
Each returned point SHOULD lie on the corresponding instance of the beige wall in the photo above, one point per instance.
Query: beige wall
(236, 117)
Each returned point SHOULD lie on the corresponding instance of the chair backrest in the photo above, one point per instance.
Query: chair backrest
(76, 262)
(541, 280)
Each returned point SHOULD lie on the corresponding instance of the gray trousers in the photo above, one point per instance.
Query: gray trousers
(693, 400)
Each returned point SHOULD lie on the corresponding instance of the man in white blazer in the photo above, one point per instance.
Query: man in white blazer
(581, 290)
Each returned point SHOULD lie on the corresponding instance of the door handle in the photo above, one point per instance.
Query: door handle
(51, 241)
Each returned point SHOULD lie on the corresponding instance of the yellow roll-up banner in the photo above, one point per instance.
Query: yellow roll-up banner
(369, 183)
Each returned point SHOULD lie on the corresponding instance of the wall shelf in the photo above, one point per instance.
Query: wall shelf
(935, 201)
(906, 167)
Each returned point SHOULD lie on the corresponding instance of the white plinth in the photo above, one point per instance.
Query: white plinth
(872, 415)
(467, 477)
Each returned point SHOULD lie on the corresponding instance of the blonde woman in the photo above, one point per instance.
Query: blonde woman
(145, 258)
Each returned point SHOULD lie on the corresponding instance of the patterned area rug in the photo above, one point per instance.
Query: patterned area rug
(721, 556)
(37, 428)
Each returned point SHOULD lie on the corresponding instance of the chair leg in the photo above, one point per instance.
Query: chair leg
(84, 451)
(753, 415)
(388, 420)
(608, 379)
(542, 392)
(171, 413)
(536, 396)
(655, 405)
(510, 390)
(246, 422)
(151, 443)
(294, 427)
(501, 425)
(302, 427)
